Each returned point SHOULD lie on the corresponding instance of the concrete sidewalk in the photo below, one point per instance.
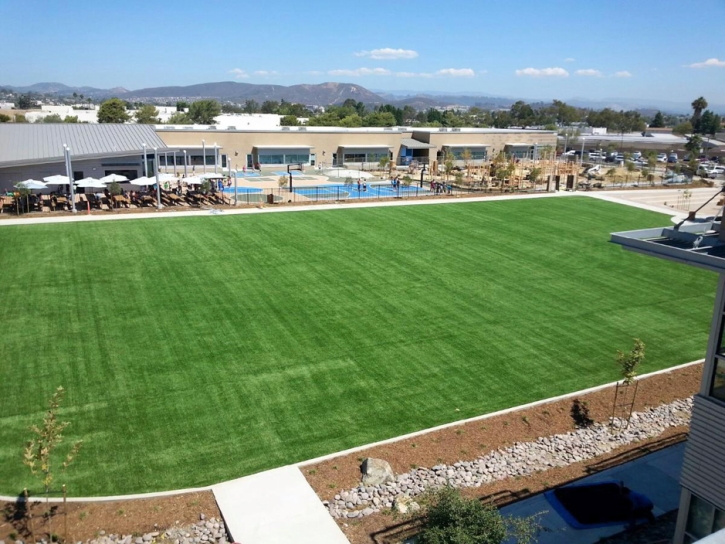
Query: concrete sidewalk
(655, 475)
(276, 507)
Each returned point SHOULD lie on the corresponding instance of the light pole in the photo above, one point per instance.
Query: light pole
(69, 174)
(216, 157)
(174, 163)
(145, 162)
(158, 185)
(203, 152)
(184, 162)
(581, 159)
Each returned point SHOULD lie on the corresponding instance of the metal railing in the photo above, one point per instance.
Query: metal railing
(346, 193)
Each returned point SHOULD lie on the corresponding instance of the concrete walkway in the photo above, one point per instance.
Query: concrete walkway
(655, 475)
(276, 507)
(82, 217)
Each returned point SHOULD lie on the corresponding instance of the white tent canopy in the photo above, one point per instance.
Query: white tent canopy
(212, 176)
(165, 177)
(192, 180)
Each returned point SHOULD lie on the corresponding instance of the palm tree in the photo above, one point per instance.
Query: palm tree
(698, 106)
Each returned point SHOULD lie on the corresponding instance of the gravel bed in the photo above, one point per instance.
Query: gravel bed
(520, 459)
(208, 531)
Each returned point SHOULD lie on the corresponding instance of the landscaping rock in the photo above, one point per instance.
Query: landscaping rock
(404, 504)
(520, 459)
(376, 472)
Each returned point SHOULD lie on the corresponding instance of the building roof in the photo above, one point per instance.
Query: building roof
(22, 143)
(412, 143)
(348, 130)
(297, 146)
(470, 145)
(365, 146)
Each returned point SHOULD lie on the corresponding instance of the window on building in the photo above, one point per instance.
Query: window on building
(703, 519)
(271, 159)
(476, 154)
(353, 157)
(718, 380)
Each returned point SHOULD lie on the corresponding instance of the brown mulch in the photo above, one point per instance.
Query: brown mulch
(86, 520)
(470, 440)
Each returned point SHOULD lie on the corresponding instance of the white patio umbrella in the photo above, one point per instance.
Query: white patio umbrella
(165, 177)
(143, 181)
(90, 183)
(111, 178)
(31, 184)
(212, 176)
(192, 180)
(56, 180)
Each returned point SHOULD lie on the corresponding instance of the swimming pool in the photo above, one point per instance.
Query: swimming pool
(242, 190)
(344, 192)
(247, 174)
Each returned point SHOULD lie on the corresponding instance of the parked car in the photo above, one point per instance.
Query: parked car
(636, 155)
(706, 171)
(662, 157)
(672, 158)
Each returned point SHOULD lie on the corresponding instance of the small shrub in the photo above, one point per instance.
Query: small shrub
(580, 414)
(83, 515)
(312, 472)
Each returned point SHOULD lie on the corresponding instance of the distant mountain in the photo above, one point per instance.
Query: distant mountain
(321, 94)
(64, 90)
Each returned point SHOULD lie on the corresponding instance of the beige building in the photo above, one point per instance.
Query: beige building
(335, 146)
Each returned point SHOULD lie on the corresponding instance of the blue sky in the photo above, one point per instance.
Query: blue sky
(538, 49)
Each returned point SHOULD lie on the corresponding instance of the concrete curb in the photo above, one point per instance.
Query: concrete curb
(366, 446)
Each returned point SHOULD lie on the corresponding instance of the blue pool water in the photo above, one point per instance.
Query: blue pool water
(294, 173)
(247, 175)
(335, 192)
(242, 190)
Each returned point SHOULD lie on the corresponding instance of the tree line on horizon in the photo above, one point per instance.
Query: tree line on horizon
(352, 113)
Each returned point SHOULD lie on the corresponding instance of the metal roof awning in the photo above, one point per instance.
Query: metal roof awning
(283, 146)
(412, 143)
(372, 146)
(519, 145)
(32, 143)
(466, 145)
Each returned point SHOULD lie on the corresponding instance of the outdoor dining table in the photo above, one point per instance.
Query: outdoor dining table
(120, 199)
(146, 199)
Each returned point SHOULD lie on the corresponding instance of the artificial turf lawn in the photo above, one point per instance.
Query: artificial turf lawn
(200, 349)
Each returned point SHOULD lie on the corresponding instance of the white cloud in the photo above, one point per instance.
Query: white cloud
(543, 72)
(239, 73)
(709, 63)
(361, 72)
(265, 73)
(388, 53)
(413, 74)
(456, 72)
(589, 72)
(623, 73)
(569, 59)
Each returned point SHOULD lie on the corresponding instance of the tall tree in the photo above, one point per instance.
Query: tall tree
(698, 106)
(203, 112)
(113, 110)
(147, 115)
(270, 106)
(658, 121)
(251, 106)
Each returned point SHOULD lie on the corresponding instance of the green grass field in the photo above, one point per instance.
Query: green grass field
(196, 350)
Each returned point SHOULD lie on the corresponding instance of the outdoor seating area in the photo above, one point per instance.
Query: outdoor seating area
(113, 192)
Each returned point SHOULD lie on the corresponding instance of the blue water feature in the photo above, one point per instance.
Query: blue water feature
(294, 173)
(247, 174)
